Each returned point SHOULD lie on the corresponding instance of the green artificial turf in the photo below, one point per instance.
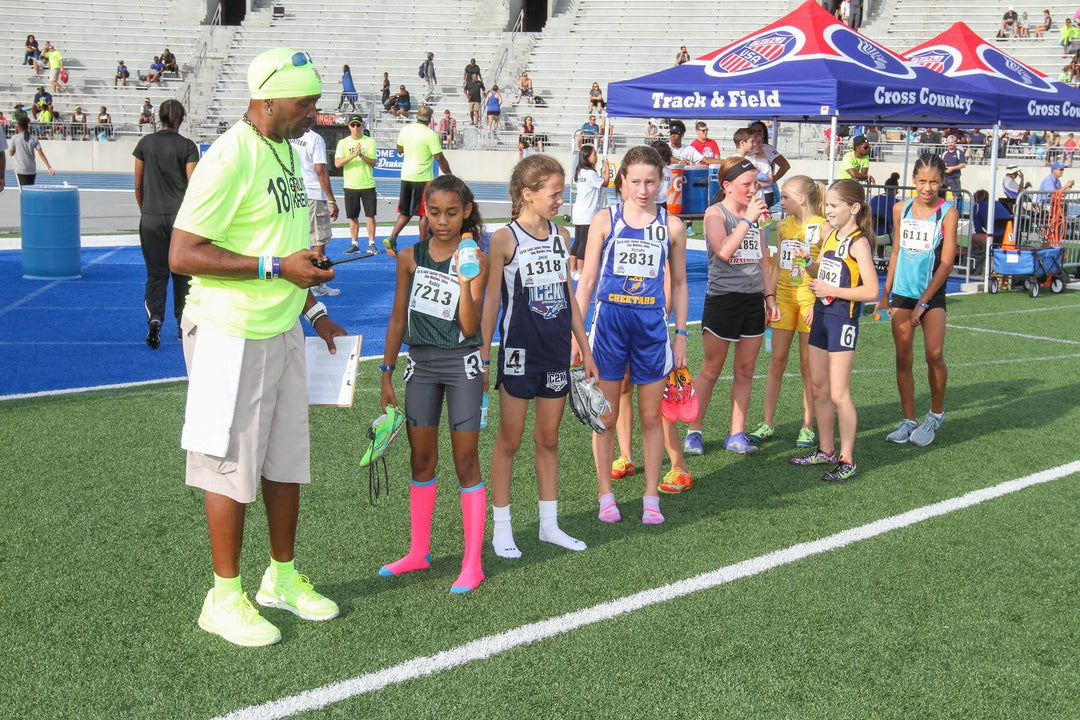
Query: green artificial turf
(106, 562)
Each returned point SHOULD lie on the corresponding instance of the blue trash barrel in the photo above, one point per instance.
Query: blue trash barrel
(696, 190)
(50, 233)
(714, 181)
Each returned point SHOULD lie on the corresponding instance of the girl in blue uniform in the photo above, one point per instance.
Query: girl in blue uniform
(923, 249)
(529, 278)
(625, 260)
(844, 278)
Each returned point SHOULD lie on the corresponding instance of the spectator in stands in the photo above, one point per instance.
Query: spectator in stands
(588, 132)
(703, 143)
(471, 69)
(1008, 23)
(447, 129)
(400, 103)
(1069, 36)
(855, 14)
(385, 89)
(164, 162)
(493, 106)
(348, 89)
(474, 91)
(596, 99)
(23, 148)
(652, 131)
(18, 113)
(525, 87)
(155, 72)
(3, 123)
(146, 115)
(122, 74)
(1045, 25)
(45, 120)
(427, 73)
(1053, 147)
(856, 162)
(104, 127)
(1069, 149)
(78, 124)
(881, 214)
(528, 138)
(168, 60)
(56, 67)
(1023, 26)
(1052, 182)
(41, 61)
(33, 52)
(683, 56)
(955, 161)
(1013, 183)
(41, 98)
(977, 145)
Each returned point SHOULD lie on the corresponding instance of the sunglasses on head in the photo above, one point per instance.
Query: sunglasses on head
(297, 60)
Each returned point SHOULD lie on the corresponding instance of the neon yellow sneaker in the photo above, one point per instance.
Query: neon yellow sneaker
(297, 595)
(236, 620)
(676, 481)
(622, 467)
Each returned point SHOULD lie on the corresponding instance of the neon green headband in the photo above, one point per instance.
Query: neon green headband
(283, 73)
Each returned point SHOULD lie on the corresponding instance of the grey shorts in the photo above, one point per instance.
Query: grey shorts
(269, 437)
(433, 373)
(319, 214)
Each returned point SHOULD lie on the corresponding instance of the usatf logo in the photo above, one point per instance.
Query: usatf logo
(758, 53)
(547, 301)
(556, 380)
(862, 51)
(1004, 66)
(937, 61)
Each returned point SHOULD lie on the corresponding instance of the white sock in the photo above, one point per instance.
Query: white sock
(502, 538)
(938, 416)
(549, 527)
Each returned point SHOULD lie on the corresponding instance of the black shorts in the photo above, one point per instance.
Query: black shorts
(412, 195)
(496, 113)
(355, 198)
(833, 333)
(581, 239)
(900, 302)
(547, 384)
(733, 316)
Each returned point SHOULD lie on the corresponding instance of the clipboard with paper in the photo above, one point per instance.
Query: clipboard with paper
(331, 379)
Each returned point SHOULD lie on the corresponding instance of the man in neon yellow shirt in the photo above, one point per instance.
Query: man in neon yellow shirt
(357, 156)
(56, 64)
(419, 145)
(856, 162)
(242, 234)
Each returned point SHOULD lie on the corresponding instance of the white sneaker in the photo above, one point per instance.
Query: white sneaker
(902, 433)
(318, 290)
(925, 433)
(329, 291)
(372, 249)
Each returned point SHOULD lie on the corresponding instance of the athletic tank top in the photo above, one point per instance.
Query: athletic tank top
(493, 103)
(433, 304)
(920, 251)
(535, 325)
(794, 234)
(742, 273)
(632, 262)
(837, 267)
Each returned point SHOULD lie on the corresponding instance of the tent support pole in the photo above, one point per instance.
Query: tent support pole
(990, 206)
(832, 150)
(907, 151)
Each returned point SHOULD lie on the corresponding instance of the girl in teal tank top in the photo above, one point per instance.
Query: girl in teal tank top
(923, 250)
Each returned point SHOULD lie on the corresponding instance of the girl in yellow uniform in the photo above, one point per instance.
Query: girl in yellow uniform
(844, 278)
(803, 227)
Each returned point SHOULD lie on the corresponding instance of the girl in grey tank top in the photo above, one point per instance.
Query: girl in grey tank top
(736, 274)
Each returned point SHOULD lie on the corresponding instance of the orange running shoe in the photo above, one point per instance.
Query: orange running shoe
(622, 467)
(676, 481)
(688, 405)
(669, 404)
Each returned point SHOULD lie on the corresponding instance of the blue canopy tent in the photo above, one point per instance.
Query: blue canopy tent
(805, 67)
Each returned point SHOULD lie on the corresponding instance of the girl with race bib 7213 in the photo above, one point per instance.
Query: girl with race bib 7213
(529, 278)
(437, 311)
(844, 278)
(628, 249)
(922, 257)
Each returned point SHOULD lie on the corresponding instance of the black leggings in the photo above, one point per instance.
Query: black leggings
(155, 231)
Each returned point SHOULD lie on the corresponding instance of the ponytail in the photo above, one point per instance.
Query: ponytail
(531, 173)
(852, 193)
(813, 191)
(24, 127)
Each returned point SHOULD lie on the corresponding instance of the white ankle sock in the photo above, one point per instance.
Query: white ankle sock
(549, 527)
(502, 537)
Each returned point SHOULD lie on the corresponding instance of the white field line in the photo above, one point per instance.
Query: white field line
(486, 647)
(48, 286)
(1013, 334)
(1014, 312)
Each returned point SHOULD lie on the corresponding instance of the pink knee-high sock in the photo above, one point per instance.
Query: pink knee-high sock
(421, 508)
(473, 517)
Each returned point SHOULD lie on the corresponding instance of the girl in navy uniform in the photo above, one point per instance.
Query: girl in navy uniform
(628, 249)
(923, 251)
(437, 312)
(844, 278)
(529, 278)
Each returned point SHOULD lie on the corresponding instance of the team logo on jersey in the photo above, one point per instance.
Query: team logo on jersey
(935, 60)
(758, 52)
(634, 285)
(865, 52)
(556, 380)
(547, 301)
(1004, 66)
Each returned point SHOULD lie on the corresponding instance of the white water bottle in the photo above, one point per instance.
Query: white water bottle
(483, 410)
(468, 264)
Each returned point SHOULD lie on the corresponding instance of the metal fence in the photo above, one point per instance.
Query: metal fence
(1036, 225)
